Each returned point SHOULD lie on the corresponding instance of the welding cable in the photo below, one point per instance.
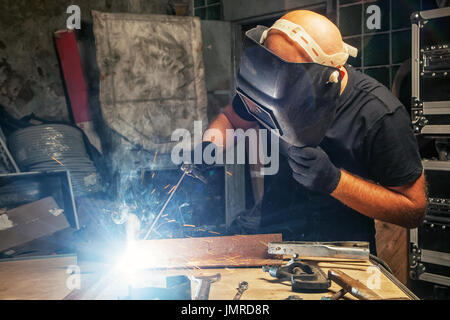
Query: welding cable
(51, 147)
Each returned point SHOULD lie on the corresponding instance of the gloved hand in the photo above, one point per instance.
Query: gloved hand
(313, 169)
(198, 170)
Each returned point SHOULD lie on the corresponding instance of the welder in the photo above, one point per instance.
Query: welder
(349, 155)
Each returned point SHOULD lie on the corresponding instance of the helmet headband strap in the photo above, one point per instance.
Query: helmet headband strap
(297, 34)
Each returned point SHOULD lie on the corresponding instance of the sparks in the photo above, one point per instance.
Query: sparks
(57, 161)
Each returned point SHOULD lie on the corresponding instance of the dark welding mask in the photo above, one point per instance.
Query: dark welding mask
(297, 99)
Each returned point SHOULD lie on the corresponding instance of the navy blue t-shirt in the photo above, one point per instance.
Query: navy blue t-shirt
(371, 137)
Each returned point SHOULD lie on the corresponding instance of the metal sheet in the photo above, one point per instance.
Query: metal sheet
(151, 75)
(31, 221)
(223, 251)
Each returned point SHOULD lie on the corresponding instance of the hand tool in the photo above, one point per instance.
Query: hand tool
(164, 206)
(204, 284)
(352, 286)
(243, 285)
(303, 277)
(346, 249)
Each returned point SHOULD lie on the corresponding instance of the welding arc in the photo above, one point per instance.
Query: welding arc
(164, 206)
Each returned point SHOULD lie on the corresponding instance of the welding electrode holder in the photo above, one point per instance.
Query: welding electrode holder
(199, 170)
(192, 171)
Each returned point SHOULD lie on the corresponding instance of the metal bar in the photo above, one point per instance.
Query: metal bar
(436, 129)
(415, 61)
(435, 13)
(436, 107)
(435, 278)
(414, 236)
(436, 165)
(344, 250)
(443, 221)
(435, 257)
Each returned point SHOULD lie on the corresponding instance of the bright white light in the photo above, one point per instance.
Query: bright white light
(133, 266)
(137, 259)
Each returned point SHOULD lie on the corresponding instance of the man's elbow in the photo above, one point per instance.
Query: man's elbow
(417, 214)
(416, 203)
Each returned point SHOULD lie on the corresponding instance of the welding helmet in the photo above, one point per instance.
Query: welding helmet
(297, 99)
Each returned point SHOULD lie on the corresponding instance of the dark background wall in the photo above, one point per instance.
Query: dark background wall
(383, 51)
(30, 80)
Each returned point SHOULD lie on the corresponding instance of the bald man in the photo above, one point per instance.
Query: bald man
(368, 161)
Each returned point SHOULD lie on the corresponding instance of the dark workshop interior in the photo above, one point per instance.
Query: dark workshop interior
(109, 110)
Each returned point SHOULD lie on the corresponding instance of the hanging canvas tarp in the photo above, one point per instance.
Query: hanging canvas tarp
(151, 76)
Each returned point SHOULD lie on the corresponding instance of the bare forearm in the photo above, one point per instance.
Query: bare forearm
(381, 203)
(218, 128)
(228, 119)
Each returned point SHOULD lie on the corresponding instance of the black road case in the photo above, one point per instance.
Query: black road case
(431, 72)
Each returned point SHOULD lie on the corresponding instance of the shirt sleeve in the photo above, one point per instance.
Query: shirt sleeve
(241, 110)
(391, 152)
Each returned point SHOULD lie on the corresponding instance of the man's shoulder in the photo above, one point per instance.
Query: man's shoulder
(372, 99)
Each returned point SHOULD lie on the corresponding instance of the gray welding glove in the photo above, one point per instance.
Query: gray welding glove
(199, 170)
(313, 169)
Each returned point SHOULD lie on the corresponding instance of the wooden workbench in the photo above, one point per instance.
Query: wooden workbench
(46, 277)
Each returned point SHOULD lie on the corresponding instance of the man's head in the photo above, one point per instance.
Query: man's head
(318, 27)
(280, 89)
